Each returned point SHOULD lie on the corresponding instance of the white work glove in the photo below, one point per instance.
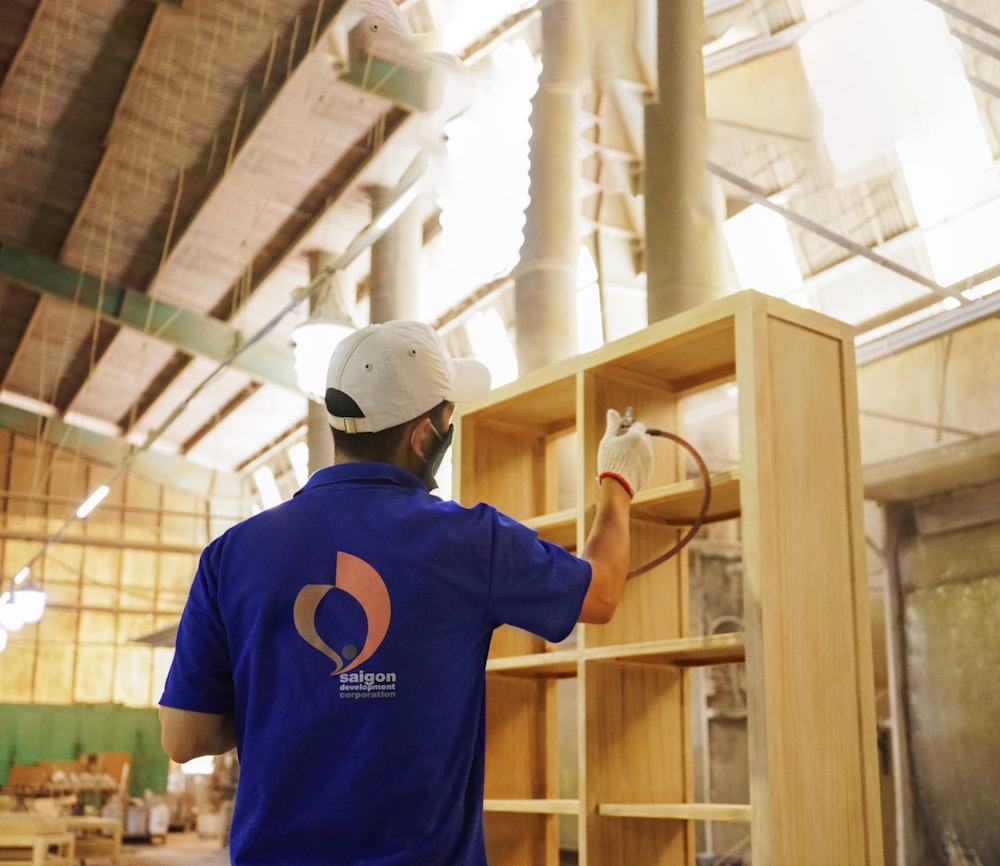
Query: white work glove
(626, 456)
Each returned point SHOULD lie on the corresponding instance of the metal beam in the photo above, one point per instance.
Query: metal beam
(967, 17)
(758, 195)
(929, 329)
(190, 332)
(166, 469)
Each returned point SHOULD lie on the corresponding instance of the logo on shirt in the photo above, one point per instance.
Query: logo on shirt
(359, 580)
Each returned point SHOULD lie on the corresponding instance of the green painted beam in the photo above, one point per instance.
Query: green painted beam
(190, 332)
(166, 469)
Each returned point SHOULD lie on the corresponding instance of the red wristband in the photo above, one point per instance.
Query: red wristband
(617, 478)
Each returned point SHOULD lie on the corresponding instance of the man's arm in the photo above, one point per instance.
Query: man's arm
(624, 464)
(607, 550)
(186, 734)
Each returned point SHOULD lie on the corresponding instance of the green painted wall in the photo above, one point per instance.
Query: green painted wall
(30, 733)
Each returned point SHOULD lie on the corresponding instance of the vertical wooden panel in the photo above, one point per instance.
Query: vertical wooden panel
(864, 658)
(810, 795)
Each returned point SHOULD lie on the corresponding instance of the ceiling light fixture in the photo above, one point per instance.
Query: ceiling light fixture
(11, 619)
(27, 596)
(93, 501)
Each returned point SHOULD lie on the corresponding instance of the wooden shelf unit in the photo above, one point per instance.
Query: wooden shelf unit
(530, 449)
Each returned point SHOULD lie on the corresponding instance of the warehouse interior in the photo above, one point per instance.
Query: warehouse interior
(191, 189)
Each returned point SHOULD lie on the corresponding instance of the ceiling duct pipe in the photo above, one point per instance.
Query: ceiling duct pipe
(395, 264)
(546, 276)
(685, 250)
(327, 304)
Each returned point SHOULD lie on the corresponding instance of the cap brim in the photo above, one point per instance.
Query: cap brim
(470, 382)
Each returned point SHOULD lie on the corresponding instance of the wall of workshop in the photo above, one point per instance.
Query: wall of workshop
(122, 573)
(937, 556)
(944, 391)
(32, 733)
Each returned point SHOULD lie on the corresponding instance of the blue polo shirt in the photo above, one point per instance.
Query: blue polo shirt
(346, 630)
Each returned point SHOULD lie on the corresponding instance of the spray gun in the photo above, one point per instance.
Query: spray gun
(627, 420)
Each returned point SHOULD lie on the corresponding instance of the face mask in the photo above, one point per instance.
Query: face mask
(432, 462)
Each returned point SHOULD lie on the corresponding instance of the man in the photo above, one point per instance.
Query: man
(339, 640)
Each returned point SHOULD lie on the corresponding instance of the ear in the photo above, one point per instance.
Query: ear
(418, 437)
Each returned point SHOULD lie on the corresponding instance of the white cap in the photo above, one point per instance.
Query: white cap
(388, 374)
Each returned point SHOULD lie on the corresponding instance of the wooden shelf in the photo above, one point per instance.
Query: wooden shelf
(679, 504)
(673, 504)
(559, 528)
(541, 807)
(560, 663)
(685, 652)
(676, 811)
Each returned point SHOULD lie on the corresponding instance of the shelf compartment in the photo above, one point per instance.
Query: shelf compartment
(635, 726)
(533, 806)
(677, 811)
(679, 504)
(685, 352)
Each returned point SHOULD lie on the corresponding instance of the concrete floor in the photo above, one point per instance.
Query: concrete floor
(189, 849)
(179, 849)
